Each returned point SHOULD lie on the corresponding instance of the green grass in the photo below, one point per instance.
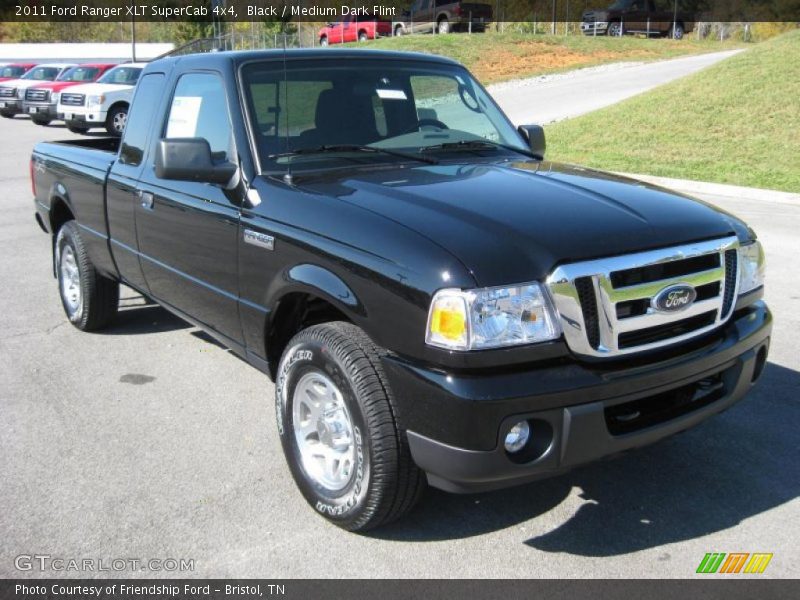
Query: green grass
(737, 122)
(494, 57)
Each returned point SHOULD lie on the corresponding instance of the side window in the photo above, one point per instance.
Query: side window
(200, 110)
(144, 105)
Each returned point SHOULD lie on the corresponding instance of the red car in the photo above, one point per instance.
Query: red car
(15, 70)
(351, 29)
(40, 102)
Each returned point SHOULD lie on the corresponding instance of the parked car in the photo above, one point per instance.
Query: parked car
(14, 70)
(104, 103)
(41, 101)
(443, 16)
(651, 17)
(12, 92)
(352, 29)
(434, 300)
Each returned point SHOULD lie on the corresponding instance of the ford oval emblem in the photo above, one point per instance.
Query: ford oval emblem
(674, 298)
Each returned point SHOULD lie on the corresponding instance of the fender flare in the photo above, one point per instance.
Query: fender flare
(320, 282)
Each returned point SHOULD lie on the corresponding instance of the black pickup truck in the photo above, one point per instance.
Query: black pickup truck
(435, 302)
(650, 17)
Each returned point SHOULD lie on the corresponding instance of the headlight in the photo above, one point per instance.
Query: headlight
(95, 100)
(491, 318)
(752, 266)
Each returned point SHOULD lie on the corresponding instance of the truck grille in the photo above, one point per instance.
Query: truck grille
(73, 99)
(34, 95)
(6, 92)
(608, 307)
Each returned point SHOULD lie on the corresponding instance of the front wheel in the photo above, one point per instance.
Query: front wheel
(323, 41)
(42, 122)
(89, 299)
(76, 129)
(336, 419)
(444, 25)
(115, 122)
(614, 29)
(6, 114)
(363, 37)
(676, 31)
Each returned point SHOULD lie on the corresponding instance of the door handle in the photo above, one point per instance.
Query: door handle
(145, 199)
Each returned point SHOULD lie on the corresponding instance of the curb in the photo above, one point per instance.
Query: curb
(719, 189)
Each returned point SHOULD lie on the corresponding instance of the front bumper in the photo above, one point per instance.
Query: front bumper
(456, 423)
(594, 27)
(37, 109)
(81, 116)
(11, 106)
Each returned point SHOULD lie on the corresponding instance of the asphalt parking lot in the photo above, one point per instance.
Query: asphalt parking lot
(151, 441)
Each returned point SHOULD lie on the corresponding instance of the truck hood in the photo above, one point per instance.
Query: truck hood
(23, 84)
(57, 86)
(511, 222)
(99, 88)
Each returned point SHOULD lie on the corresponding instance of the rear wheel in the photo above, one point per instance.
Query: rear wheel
(362, 36)
(117, 117)
(443, 25)
(6, 114)
(398, 31)
(42, 122)
(336, 419)
(90, 300)
(676, 31)
(323, 41)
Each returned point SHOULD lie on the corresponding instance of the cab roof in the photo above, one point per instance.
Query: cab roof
(226, 58)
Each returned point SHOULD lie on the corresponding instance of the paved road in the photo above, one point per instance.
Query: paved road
(557, 97)
(150, 441)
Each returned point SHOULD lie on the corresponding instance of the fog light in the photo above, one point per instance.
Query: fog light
(518, 437)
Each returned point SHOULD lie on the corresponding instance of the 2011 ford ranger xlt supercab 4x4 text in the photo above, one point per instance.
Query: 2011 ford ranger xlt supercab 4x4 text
(435, 302)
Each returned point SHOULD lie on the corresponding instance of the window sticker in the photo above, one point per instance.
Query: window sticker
(392, 94)
(183, 116)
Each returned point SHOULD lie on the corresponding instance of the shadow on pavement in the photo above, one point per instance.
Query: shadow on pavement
(732, 467)
(138, 315)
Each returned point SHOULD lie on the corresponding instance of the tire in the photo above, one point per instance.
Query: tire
(6, 115)
(90, 300)
(117, 117)
(676, 31)
(42, 122)
(443, 25)
(337, 366)
(362, 36)
(398, 31)
(78, 130)
(615, 29)
(323, 41)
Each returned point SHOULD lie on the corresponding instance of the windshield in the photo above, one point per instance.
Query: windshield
(42, 74)
(12, 72)
(620, 5)
(121, 76)
(404, 106)
(79, 74)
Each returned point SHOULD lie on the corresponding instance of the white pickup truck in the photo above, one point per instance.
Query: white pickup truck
(103, 103)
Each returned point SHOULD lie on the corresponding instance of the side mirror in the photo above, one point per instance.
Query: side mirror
(190, 159)
(534, 134)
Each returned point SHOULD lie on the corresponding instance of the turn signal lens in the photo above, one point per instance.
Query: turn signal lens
(447, 324)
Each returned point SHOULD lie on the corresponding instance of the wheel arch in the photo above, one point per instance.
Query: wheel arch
(307, 295)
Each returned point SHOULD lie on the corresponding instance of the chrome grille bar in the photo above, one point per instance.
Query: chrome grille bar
(600, 337)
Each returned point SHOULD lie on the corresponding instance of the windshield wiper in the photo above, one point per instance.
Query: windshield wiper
(478, 145)
(356, 148)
